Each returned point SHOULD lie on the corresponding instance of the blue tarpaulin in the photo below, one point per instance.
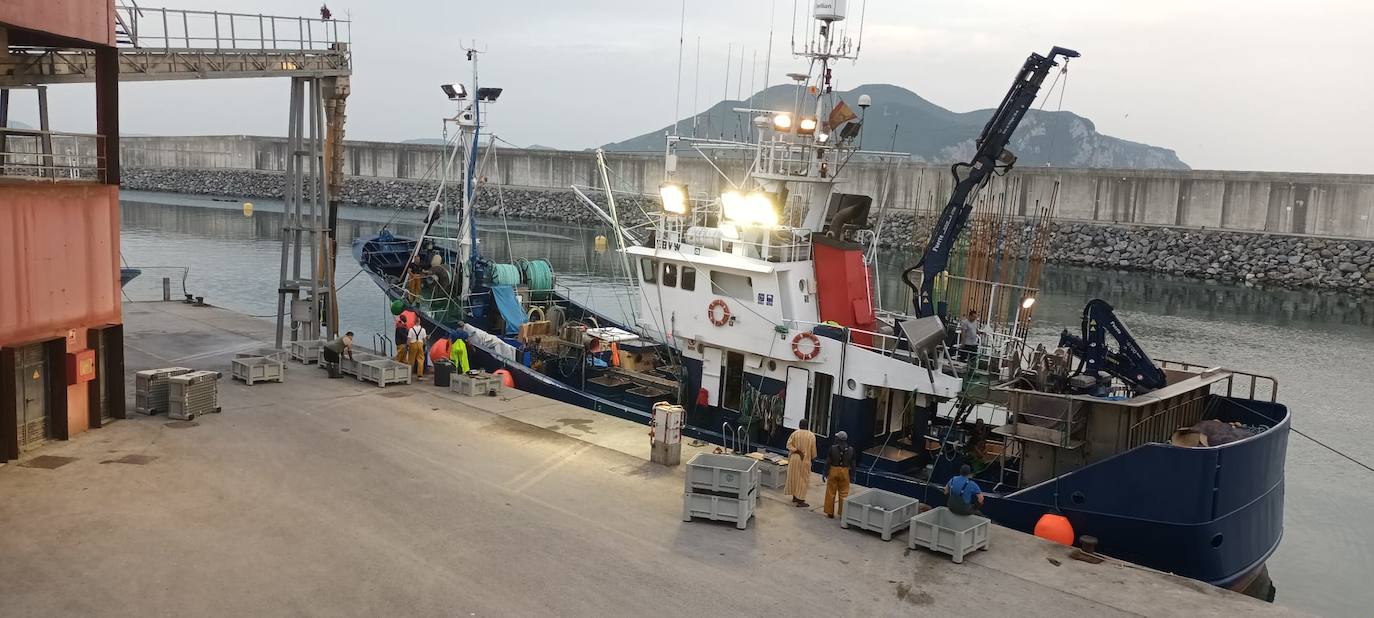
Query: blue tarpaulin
(509, 306)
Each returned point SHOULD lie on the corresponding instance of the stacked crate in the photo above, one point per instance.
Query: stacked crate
(192, 394)
(150, 389)
(721, 488)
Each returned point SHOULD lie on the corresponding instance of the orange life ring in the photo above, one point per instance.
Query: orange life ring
(724, 312)
(815, 346)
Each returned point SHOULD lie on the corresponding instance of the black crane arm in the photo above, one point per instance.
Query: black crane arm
(1127, 362)
(992, 151)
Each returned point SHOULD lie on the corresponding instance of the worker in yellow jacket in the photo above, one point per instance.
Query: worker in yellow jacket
(458, 351)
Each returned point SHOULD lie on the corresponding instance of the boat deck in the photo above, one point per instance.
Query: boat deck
(335, 497)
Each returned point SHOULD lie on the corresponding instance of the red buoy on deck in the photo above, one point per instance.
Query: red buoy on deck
(1055, 528)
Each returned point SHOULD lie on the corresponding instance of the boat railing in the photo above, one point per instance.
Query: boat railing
(52, 155)
(881, 343)
(781, 243)
(796, 161)
(1252, 386)
(1160, 425)
(157, 28)
(1044, 423)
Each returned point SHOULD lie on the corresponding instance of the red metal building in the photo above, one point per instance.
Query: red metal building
(61, 340)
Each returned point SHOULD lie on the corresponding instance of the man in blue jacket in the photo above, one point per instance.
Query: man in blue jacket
(965, 496)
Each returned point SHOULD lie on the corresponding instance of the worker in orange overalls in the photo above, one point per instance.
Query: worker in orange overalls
(404, 322)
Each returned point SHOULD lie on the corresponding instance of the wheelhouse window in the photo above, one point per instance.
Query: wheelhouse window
(689, 278)
(730, 284)
(670, 274)
(648, 269)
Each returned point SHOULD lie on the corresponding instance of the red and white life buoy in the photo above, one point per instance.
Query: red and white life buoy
(721, 317)
(807, 352)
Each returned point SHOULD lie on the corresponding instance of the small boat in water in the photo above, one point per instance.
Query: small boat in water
(757, 310)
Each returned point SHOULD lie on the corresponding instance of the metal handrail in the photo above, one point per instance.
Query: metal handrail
(186, 29)
(1255, 379)
(81, 158)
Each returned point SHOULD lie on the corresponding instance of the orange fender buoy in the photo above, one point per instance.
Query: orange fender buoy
(1055, 528)
(508, 381)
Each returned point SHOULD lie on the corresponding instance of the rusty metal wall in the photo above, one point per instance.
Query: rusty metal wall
(86, 20)
(59, 259)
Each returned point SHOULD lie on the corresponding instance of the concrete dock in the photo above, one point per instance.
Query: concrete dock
(336, 497)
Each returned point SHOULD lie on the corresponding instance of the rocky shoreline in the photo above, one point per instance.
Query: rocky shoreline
(1246, 258)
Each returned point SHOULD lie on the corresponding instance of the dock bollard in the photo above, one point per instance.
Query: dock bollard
(166, 289)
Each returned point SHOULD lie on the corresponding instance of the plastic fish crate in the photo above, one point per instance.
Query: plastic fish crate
(150, 389)
(384, 371)
(270, 353)
(772, 476)
(307, 351)
(476, 384)
(253, 369)
(350, 365)
(722, 475)
(880, 511)
(192, 394)
(942, 530)
(718, 508)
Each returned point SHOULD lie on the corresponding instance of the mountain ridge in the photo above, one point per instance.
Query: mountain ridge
(901, 120)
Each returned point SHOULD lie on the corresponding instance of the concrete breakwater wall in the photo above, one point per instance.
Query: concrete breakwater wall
(1249, 258)
(1337, 205)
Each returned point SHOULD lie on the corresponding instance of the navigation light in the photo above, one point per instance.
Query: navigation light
(782, 122)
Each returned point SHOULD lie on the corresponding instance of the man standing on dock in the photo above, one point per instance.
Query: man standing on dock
(801, 449)
(415, 348)
(838, 467)
(336, 350)
(404, 321)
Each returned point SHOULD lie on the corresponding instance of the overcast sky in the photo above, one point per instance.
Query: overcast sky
(1229, 84)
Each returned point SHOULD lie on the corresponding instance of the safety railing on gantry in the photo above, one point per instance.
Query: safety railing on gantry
(156, 28)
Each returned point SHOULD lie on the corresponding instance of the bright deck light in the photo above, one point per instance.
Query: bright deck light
(674, 197)
(807, 125)
(755, 207)
(1028, 303)
(782, 122)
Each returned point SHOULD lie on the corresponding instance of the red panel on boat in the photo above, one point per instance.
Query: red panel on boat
(842, 286)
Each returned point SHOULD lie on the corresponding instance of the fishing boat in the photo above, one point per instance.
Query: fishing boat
(757, 311)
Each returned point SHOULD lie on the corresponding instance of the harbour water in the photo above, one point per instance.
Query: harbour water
(1319, 346)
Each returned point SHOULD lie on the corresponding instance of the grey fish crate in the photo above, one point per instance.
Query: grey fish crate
(722, 475)
(384, 371)
(350, 365)
(307, 351)
(718, 508)
(475, 384)
(270, 353)
(254, 369)
(772, 476)
(943, 531)
(150, 389)
(880, 511)
(192, 394)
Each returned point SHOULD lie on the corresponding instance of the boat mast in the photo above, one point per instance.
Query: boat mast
(467, 231)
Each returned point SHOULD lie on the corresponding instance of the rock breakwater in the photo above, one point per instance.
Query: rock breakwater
(1246, 258)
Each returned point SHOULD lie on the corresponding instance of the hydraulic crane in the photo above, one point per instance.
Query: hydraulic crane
(1128, 361)
(992, 157)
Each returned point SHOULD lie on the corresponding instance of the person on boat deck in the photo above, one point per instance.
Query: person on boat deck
(414, 277)
(458, 349)
(963, 493)
(968, 335)
(415, 338)
(336, 349)
(404, 321)
(838, 468)
(801, 449)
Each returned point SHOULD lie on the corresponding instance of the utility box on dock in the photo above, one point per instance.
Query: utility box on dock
(665, 442)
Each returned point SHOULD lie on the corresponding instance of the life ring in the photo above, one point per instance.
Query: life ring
(724, 312)
(797, 347)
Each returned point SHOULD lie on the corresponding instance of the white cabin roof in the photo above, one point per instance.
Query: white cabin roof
(717, 260)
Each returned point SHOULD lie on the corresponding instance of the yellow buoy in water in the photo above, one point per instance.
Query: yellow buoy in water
(600, 243)
(247, 209)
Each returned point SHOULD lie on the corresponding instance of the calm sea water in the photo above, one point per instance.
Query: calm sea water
(1319, 346)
